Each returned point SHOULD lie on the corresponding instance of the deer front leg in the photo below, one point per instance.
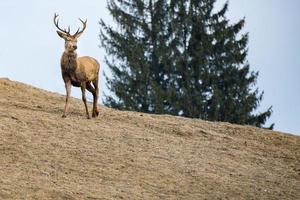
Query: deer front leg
(83, 87)
(68, 91)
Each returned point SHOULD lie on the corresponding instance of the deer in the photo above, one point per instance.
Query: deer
(76, 71)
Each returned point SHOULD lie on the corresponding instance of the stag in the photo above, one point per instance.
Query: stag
(76, 71)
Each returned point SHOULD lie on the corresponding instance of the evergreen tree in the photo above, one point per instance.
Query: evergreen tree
(178, 57)
(138, 43)
(233, 97)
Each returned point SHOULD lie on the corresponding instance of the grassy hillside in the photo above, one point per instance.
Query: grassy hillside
(129, 155)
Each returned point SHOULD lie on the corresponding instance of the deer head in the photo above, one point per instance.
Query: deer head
(70, 40)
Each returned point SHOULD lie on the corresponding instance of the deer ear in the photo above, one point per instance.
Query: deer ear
(62, 35)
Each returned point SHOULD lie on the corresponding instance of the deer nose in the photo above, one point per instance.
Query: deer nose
(75, 46)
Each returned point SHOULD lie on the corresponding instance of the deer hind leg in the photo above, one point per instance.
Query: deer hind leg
(92, 90)
(83, 87)
(68, 91)
(95, 83)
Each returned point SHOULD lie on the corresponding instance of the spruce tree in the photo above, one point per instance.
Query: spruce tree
(233, 96)
(178, 57)
(138, 47)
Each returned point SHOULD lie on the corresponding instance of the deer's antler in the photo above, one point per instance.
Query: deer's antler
(56, 21)
(78, 32)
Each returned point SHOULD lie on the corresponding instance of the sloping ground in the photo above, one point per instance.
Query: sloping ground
(128, 155)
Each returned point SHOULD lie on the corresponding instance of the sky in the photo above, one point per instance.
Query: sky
(31, 49)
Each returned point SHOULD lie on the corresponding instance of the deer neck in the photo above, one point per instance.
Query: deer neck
(69, 61)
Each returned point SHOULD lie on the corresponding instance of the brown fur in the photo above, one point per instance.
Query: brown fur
(80, 72)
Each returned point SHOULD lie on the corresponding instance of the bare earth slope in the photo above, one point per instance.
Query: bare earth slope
(128, 155)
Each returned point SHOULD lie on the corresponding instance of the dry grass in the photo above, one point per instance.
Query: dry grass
(128, 155)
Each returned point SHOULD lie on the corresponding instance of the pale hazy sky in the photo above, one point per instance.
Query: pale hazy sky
(30, 48)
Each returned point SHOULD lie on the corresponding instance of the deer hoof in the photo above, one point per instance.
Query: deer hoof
(64, 116)
(88, 117)
(95, 113)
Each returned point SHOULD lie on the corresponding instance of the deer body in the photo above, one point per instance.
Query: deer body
(80, 72)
